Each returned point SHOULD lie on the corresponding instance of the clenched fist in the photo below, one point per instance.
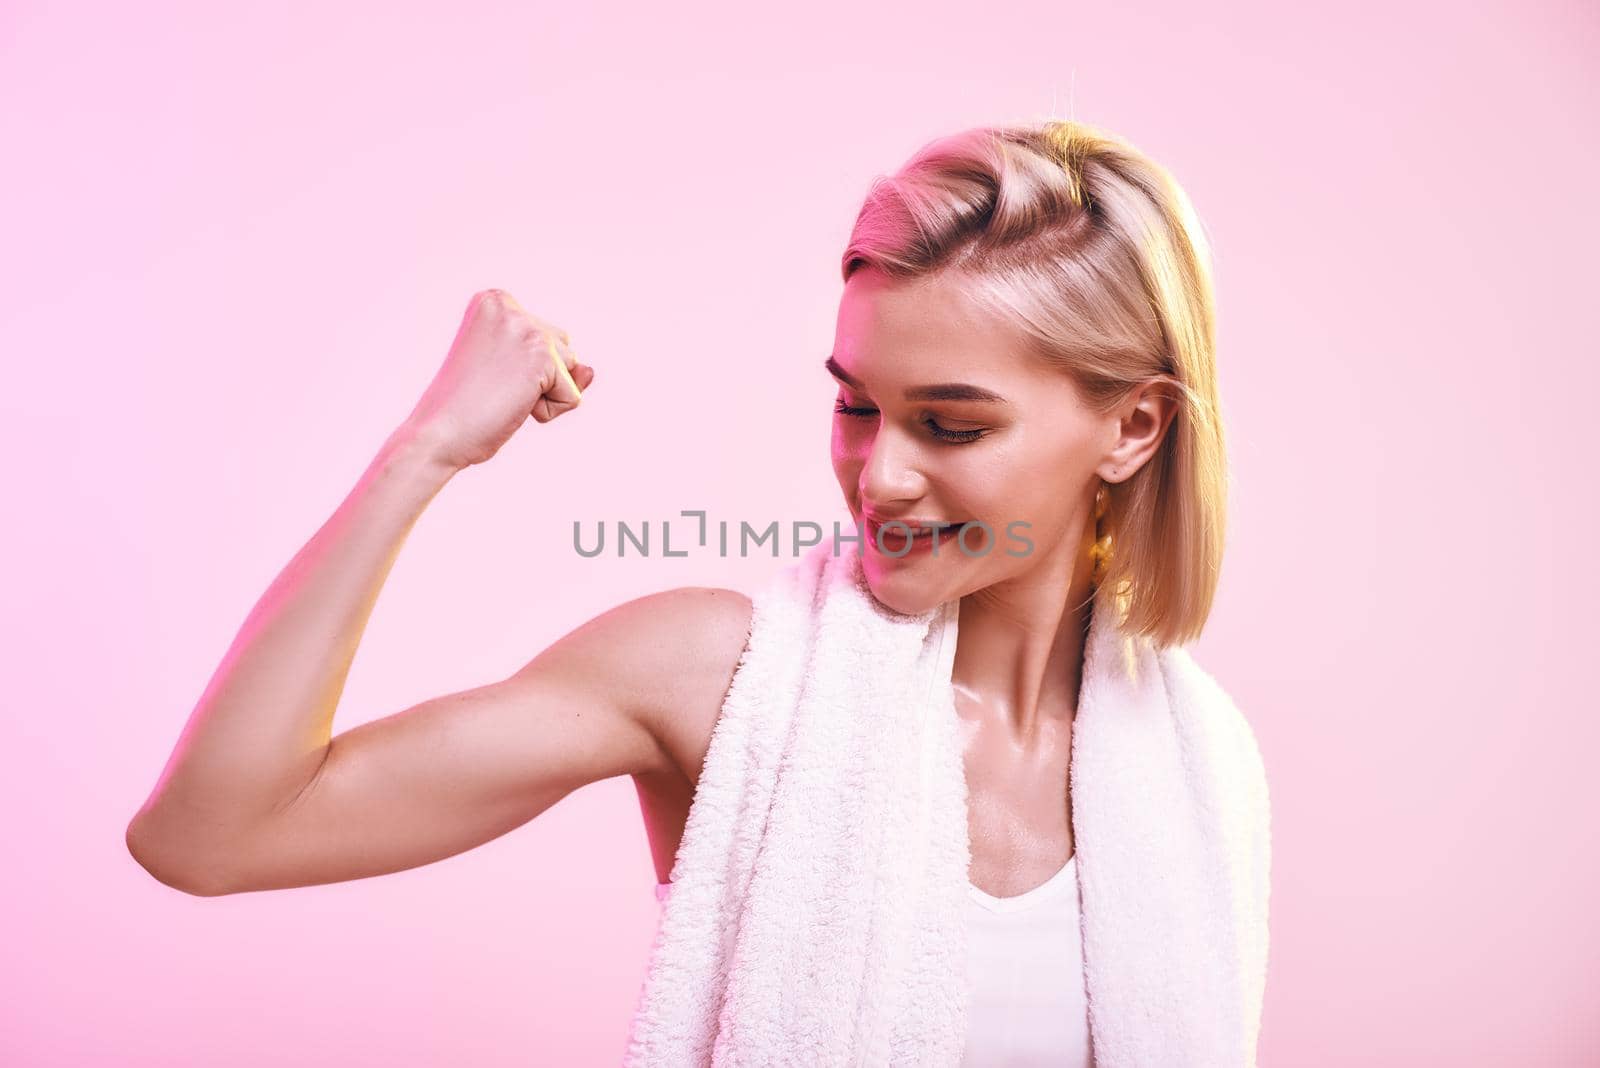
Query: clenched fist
(504, 365)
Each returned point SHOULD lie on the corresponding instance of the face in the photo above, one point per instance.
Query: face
(942, 416)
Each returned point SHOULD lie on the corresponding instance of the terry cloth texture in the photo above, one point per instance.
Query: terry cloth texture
(817, 913)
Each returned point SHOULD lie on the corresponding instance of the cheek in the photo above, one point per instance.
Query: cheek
(846, 468)
(1021, 484)
(844, 447)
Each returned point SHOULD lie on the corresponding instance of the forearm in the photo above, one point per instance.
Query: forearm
(263, 724)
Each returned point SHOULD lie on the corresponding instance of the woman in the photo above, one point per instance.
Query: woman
(1025, 341)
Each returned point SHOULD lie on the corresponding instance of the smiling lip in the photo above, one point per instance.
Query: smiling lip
(948, 531)
(874, 522)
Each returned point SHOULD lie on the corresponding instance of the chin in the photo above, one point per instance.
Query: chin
(903, 591)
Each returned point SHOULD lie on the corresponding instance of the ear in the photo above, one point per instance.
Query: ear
(1141, 423)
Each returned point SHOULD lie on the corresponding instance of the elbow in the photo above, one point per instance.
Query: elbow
(165, 866)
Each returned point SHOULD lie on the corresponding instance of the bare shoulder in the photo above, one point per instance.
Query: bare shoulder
(687, 643)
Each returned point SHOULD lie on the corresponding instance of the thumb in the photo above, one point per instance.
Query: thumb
(565, 389)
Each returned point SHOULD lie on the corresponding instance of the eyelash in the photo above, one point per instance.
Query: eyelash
(955, 437)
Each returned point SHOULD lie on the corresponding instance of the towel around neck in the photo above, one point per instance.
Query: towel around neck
(817, 913)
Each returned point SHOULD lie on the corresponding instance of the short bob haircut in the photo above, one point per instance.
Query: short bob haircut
(1096, 254)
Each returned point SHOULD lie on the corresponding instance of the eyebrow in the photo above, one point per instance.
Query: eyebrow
(941, 391)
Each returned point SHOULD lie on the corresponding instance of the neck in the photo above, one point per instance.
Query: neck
(1019, 659)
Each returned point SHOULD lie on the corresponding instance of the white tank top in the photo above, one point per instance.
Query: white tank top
(1025, 969)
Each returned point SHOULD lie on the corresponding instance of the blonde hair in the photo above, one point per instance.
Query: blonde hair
(1094, 251)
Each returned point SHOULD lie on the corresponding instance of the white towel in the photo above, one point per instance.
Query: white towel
(817, 912)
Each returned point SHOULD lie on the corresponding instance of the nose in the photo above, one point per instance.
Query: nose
(890, 472)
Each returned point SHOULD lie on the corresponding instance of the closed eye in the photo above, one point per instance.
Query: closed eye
(955, 437)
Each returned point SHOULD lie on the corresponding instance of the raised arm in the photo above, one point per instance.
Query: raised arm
(456, 771)
(262, 729)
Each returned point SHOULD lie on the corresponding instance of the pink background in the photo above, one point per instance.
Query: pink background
(238, 242)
